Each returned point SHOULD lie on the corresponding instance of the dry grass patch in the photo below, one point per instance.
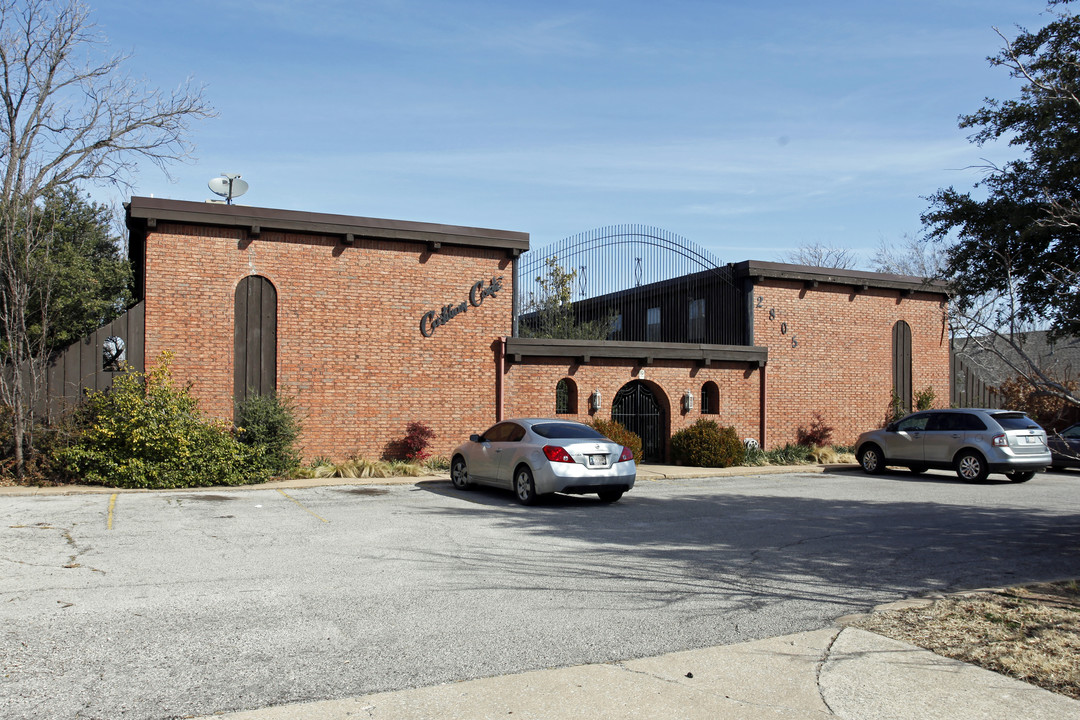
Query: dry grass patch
(1031, 633)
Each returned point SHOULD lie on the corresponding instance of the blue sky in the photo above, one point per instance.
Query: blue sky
(748, 128)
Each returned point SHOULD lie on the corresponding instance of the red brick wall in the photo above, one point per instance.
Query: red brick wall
(530, 389)
(350, 350)
(351, 354)
(842, 363)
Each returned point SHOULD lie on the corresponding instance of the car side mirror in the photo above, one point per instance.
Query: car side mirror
(474, 438)
(891, 427)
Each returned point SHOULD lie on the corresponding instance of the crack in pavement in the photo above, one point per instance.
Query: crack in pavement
(826, 655)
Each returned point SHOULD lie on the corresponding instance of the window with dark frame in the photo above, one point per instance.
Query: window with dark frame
(710, 398)
(652, 324)
(565, 397)
(696, 324)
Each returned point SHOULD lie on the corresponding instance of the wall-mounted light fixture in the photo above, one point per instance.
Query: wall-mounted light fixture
(688, 401)
(594, 401)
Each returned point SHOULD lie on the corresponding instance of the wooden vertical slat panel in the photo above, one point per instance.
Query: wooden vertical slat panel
(100, 379)
(89, 365)
(240, 342)
(254, 334)
(268, 350)
(135, 337)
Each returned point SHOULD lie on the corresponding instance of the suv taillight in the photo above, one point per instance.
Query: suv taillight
(627, 454)
(555, 453)
(1000, 441)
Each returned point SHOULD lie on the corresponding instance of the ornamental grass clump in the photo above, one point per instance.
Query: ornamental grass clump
(706, 444)
(145, 432)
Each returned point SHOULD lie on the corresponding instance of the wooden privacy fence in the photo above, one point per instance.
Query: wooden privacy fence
(968, 389)
(93, 362)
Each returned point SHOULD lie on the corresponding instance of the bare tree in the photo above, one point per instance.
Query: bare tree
(820, 254)
(70, 114)
(911, 256)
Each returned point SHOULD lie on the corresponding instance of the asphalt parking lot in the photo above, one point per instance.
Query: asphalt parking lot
(166, 604)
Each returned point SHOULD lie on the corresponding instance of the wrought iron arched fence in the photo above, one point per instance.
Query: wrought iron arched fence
(628, 282)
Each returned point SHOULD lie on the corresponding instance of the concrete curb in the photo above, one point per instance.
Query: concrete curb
(645, 472)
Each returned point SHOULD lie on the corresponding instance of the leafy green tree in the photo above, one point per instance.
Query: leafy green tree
(1014, 261)
(90, 277)
(550, 312)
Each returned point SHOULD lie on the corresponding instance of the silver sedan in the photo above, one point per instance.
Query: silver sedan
(535, 457)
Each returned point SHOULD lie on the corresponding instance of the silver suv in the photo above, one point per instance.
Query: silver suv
(974, 442)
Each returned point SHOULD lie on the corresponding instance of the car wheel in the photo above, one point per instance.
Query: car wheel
(459, 474)
(871, 459)
(917, 469)
(1020, 476)
(523, 486)
(610, 496)
(971, 467)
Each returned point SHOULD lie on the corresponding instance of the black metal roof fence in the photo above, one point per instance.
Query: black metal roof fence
(628, 283)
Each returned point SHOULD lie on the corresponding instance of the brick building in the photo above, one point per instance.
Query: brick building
(371, 324)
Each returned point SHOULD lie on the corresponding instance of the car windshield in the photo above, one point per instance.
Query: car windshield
(1072, 433)
(1015, 421)
(575, 431)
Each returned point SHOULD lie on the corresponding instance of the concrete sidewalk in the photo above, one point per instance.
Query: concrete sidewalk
(832, 673)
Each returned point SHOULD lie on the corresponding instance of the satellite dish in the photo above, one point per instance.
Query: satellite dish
(228, 186)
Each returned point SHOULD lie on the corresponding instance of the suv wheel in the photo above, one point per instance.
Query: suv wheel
(871, 459)
(971, 467)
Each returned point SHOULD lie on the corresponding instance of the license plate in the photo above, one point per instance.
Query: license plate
(1030, 439)
(597, 460)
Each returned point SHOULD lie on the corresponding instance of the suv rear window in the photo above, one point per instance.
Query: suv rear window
(574, 431)
(1015, 421)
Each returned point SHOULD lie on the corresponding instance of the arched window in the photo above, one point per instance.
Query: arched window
(901, 363)
(710, 398)
(566, 397)
(254, 338)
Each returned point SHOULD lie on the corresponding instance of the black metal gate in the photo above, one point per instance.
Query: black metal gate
(636, 409)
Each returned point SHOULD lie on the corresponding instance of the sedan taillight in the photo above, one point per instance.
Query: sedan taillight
(627, 454)
(555, 453)
(1000, 441)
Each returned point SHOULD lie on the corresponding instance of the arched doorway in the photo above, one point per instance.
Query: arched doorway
(636, 408)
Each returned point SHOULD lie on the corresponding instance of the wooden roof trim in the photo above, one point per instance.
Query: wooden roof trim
(155, 210)
(860, 280)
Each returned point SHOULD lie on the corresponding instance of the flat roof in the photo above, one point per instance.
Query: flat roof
(144, 212)
(859, 279)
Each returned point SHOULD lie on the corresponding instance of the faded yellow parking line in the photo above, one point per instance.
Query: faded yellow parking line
(301, 505)
(112, 507)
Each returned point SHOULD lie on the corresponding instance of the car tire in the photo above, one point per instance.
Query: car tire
(459, 473)
(917, 469)
(1019, 477)
(524, 487)
(971, 467)
(871, 460)
(610, 496)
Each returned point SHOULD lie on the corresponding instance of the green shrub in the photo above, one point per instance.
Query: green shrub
(706, 444)
(144, 432)
(268, 423)
(617, 433)
(924, 399)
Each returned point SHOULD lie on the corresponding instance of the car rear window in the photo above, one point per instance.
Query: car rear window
(1015, 421)
(575, 431)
